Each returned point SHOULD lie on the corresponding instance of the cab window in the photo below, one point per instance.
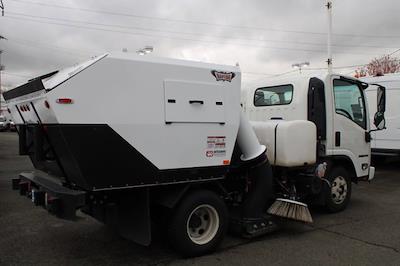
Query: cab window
(349, 101)
(275, 95)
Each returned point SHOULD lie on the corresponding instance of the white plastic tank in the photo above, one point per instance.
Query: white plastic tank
(289, 143)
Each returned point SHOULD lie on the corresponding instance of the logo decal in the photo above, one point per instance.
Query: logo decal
(223, 76)
(209, 153)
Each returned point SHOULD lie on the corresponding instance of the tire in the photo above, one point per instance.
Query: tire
(338, 195)
(198, 224)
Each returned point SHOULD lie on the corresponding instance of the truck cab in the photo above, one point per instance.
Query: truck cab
(336, 104)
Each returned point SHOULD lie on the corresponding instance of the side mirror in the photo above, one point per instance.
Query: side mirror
(381, 99)
(379, 118)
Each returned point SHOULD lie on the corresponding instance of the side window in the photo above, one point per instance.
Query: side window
(349, 101)
(275, 95)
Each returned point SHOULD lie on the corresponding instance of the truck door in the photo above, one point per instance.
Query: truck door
(351, 125)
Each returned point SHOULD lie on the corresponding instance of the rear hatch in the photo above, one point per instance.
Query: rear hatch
(27, 103)
(30, 111)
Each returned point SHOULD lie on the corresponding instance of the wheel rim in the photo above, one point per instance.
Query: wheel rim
(202, 224)
(339, 190)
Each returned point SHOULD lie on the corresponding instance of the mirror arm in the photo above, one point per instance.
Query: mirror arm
(373, 130)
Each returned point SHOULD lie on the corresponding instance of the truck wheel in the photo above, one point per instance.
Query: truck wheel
(198, 224)
(339, 194)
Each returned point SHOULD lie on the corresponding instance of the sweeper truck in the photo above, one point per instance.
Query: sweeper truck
(175, 147)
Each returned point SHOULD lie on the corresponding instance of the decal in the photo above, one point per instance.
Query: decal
(223, 76)
(209, 153)
(216, 146)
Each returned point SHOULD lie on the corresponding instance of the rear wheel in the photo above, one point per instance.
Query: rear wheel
(339, 194)
(198, 224)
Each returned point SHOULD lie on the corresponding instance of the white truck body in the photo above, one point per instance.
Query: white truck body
(386, 142)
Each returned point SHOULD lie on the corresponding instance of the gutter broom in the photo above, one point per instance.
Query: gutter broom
(291, 209)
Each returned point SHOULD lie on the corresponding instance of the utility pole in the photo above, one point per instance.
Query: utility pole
(329, 42)
(1, 69)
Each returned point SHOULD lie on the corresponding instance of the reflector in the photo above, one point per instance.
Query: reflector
(64, 100)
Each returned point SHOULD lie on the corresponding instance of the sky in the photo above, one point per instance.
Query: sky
(264, 36)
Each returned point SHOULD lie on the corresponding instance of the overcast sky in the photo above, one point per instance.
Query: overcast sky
(263, 36)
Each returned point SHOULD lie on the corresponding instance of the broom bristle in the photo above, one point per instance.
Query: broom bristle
(291, 209)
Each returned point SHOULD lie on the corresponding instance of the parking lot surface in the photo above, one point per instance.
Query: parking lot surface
(366, 233)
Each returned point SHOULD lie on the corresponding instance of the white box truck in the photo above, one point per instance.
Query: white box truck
(386, 142)
(176, 148)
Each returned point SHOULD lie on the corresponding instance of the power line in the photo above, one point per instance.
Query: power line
(193, 34)
(398, 50)
(16, 74)
(181, 38)
(202, 22)
(41, 45)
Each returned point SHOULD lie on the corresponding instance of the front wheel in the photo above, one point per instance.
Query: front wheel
(338, 195)
(198, 224)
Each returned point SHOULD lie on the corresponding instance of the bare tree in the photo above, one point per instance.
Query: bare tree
(379, 67)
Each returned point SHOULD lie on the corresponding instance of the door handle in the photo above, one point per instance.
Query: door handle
(337, 138)
(196, 101)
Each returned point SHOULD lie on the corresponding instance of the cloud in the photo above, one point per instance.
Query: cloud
(263, 36)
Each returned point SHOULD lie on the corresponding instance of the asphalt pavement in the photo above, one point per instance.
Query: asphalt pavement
(366, 233)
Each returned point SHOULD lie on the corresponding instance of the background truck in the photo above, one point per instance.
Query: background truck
(177, 149)
(386, 142)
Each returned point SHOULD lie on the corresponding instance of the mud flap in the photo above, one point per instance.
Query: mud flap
(133, 216)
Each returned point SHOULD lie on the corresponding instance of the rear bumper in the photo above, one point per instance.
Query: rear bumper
(47, 191)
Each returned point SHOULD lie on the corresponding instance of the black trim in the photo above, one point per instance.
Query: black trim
(363, 155)
(19, 111)
(45, 76)
(35, 143)
(218, 103)
(276, 137)
(34, 85)
(196, 101)
(337, 138)
(37, 115)
(363, 85)
(95, 157)
(378, 151)
(171, 101)
(317, 106)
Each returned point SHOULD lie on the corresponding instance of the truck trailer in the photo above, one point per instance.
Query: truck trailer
(180, 148)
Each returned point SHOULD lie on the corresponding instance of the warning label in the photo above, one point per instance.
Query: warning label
(216, 146)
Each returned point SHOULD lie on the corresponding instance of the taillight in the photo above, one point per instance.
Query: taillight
(64, 101)
(22, 108)
(8, 109)
(27, 108)
(46, 103)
